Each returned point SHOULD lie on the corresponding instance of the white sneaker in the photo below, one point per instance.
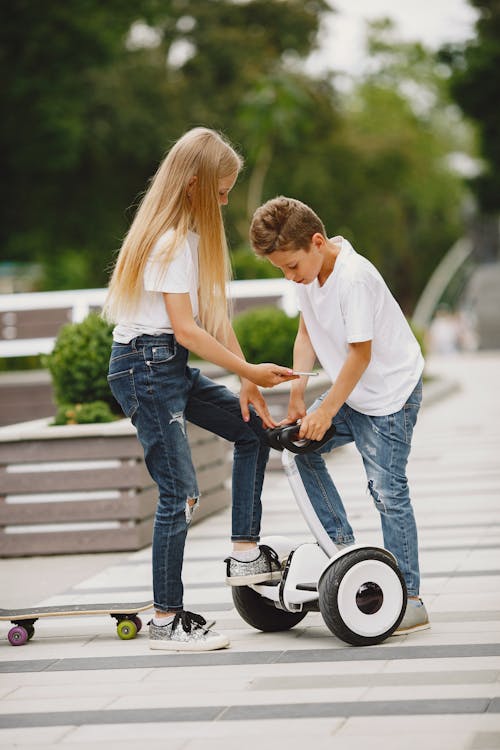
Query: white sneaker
(186, 632)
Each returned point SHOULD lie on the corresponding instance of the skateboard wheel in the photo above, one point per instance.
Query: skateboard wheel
(31, 631)
(138, 622)
(126, 629)
(18, 636)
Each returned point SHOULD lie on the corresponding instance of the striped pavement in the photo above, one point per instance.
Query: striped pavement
(77, 685)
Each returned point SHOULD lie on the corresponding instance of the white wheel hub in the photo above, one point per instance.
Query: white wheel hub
(388, 608)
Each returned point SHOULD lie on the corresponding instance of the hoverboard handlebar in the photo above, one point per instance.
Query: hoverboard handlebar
(287, 437)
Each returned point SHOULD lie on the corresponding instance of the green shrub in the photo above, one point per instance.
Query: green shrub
(266, 334)
(95, 411)
(13, 364)
(78, 363)
(246, 265)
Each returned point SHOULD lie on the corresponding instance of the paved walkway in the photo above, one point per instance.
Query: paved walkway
(77, 685)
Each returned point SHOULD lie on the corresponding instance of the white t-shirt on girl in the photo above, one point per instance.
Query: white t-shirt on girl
(354, 304)
(180, 276)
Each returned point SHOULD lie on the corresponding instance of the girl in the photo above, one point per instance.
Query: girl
(167, 296)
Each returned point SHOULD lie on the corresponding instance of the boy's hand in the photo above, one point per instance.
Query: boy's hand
(250, 394)
(296, 410)
(314, 425)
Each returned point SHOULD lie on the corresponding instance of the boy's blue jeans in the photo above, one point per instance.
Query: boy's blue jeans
(384, 444)
(150, 379)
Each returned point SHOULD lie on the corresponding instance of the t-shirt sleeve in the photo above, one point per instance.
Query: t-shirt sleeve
(176, 277)
(358, 309)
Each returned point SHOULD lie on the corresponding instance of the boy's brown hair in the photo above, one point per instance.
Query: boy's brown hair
(283, 224)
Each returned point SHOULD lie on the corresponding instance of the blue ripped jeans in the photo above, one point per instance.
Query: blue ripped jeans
(152, 382)
(384, 444)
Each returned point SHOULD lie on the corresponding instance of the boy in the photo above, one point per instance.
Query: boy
(353, 325)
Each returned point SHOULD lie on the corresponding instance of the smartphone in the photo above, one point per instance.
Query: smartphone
(298, 372)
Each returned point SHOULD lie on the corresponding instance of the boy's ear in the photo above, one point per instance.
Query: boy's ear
(317, 240)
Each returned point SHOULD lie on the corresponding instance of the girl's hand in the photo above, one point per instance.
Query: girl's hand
(250, 394)
(314, 425)
(267, 374)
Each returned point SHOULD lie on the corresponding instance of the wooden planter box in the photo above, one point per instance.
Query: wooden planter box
(25, 395)
(85, 488)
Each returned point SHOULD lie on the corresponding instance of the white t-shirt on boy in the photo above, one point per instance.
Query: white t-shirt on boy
(355, 304)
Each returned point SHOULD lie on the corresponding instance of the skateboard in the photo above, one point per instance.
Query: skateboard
(128, 624)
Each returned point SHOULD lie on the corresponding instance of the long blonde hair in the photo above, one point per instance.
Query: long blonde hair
(206, 155)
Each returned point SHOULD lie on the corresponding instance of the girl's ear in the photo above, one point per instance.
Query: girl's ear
(191, 185)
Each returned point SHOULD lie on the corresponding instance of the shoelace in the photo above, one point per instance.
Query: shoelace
(187, 619)
(271, 555)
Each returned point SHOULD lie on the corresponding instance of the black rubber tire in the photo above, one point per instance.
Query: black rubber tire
(261, 615)
(329, 590)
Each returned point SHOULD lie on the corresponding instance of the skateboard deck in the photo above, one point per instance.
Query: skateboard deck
(128, 623)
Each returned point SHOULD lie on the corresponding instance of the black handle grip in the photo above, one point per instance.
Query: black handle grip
(287, 437)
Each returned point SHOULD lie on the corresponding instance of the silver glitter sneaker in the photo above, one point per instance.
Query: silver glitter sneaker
(266, 567)
(415, 618)
(186, 632)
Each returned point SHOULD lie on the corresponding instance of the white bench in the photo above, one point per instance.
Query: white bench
(29, 322)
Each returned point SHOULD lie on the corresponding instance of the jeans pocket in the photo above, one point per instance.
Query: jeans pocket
(123, 389)
(159, 355)
(397, 426)
(415, 398)
(116, 354)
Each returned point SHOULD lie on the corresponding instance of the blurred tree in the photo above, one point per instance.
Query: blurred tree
(278, 109)
(57, 58)
(235, 69)
(96, 92)
(403, 123)
(379, 171)
(476, 87)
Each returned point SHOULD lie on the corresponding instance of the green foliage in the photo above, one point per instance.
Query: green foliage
(72, 271)
(475, 87)
(98, 113)
(95, 411)
(266, 334)
(78, 363)
(246, 265)
(13, 364)
(420, 335)
(380, 175)
(276, 111)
